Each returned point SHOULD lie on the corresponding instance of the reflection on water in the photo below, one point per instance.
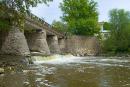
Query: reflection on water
(70, 71)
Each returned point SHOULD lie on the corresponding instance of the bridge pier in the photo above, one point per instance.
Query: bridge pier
(62, 44)
(15, 43)
(53, 44)
(37, 42)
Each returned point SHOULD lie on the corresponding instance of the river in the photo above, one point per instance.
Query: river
(71, 71)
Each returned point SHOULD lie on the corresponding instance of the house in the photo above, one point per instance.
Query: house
(104, 33)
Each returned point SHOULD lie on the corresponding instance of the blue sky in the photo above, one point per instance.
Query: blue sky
(53, 12)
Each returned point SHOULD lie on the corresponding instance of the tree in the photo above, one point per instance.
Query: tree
(16, 10)
(119, 41)
(107, 26)
(60, 26)
(81, 16)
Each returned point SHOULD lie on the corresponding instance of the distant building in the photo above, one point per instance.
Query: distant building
(104, 33)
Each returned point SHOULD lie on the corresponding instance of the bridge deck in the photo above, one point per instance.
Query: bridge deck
(37, 23)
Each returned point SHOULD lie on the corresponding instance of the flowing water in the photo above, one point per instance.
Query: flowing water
(70, 71)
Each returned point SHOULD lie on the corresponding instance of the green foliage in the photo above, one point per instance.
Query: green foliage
(16, 10)
(60, 26)
(107, 26)
(4, 24)
(81, 16)
(119, 41)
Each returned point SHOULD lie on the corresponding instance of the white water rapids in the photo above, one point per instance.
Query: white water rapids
(70, 59)
(67, 70)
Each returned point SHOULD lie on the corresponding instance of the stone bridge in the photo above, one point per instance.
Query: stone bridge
(38, 37)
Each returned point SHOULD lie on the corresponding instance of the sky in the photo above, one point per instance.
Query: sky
(53, 12)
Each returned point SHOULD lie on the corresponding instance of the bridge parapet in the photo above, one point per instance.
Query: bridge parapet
(40, 22)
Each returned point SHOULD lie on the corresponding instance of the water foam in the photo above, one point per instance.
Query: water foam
(56, 59)
(67, 59)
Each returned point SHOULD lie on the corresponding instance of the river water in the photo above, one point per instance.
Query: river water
(70, 71)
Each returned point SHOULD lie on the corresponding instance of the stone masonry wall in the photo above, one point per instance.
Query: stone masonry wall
(15, 43)
(82, 45)
(37, 42)
(61, 42)
(53, 44)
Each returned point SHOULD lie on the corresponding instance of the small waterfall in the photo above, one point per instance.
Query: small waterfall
(70, 59)
(55, 59)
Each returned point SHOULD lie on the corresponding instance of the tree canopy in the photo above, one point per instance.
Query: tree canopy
(119, 40)
(81, 16)
(60, 26)
(16, 10)
(21, 5)
(107, 26)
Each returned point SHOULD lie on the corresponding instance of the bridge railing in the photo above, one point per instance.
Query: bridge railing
(34, 17)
